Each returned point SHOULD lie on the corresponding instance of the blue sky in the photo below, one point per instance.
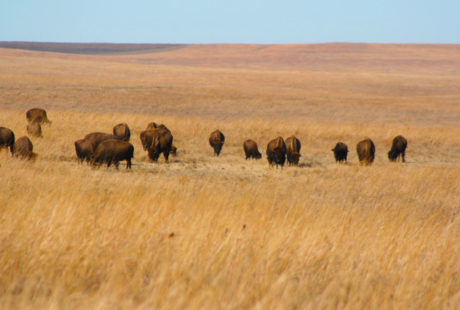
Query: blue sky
(237, 21)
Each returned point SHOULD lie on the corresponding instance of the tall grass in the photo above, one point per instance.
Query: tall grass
(206, 232)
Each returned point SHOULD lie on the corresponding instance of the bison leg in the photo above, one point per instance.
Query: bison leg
(403, 156)
(166, 155)
(128, 163)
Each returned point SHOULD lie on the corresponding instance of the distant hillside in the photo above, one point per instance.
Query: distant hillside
(92, 48)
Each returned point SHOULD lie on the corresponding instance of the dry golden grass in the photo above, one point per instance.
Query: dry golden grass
(221, 232)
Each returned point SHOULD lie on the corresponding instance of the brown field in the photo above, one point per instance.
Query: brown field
(205, 232)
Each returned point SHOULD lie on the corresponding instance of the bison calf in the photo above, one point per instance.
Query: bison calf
(122, 131)
(251, 150)
(23, 148)
(340, 152)
(276, 152)
(293, 150)
(6, 139)
(113, 151)
(217, 140)
(398, 148)
(366, 151)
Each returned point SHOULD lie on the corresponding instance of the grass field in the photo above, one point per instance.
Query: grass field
(206, 232)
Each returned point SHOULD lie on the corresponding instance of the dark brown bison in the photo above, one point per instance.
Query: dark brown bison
(161, 143)
(38, 115)
(366, 151)
(293, 150)
(122, 130)
(398, 148)
(340, 152)
(23, 148)
(34, 129)
(6, 139)
(251, 150)
(84, 150)
(276, 152)
(217, 140)
(113, 151)
(151, 126)
(97, 137)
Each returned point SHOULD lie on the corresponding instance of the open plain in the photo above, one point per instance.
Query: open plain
(207, 232)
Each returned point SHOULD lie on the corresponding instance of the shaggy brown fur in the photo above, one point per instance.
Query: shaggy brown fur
(366, 151)
(398, 148)
(151, 126)
(23, 148)
(340, 152)
(161, 143)
(37, 114)
(34, 129)
(217, 140)
(84, 150)
(276, 152)
(251, 150)
(113, 151)
(122, 130)
(6, 139)
(97, 137)
(293, 150)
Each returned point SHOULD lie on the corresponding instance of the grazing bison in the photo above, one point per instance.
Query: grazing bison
(251, 150)
(293, 150)
(122, 131)
(276, 152)
(398, 148)
(151, 126)
(366, 151)
(38, 115)
(23, 148)
(217, 140)
(6, 139)
(161, 143)
(113, 151)
(34, 129)
(84, 150)
(340, 152)
(97, 137)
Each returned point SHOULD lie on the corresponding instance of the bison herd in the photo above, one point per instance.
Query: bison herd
(98, 148)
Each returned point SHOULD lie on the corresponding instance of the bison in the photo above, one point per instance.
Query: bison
(84, 149)
(97, 137)
(6, 139)
(34, 129)
(251, 150)
(217, 140)
(122, 131)
(293, 150)
(366, 151)
(340, 152)
(37, 114)
(398, 148)
(113, 151)
(23, 148)
(276, 152)
(161, 143)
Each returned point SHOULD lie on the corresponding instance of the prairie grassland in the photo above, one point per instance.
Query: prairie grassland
(221, 232)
